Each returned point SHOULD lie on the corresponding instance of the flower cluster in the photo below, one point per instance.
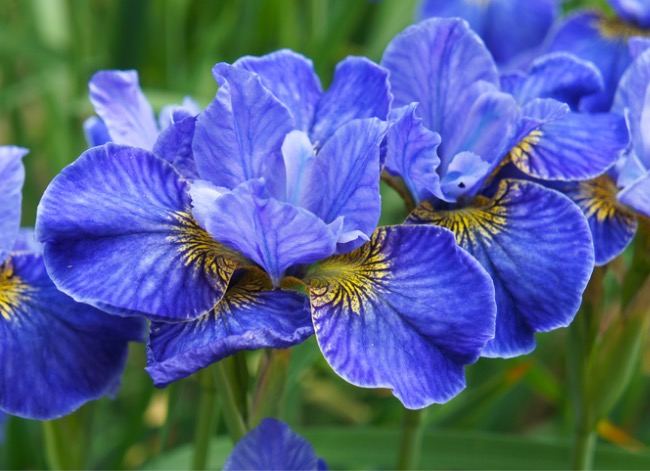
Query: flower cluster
(253, 223)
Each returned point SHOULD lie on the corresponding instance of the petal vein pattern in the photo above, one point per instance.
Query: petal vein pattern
(117, 226)
(405, 311)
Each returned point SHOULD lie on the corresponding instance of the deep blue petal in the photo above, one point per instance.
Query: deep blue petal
(635, 11)
(175, 146)
(359, 90)
(586, 35)
(633, 99)
(561, 76)
(349, 163)
(117, 226)
(241, 131)
(508, 27)
(122, 106)
(251, 315)
(274, 234)
(573, 146)
(536, 246)
(612, 224)
(96, 132)
(12, 177)
(272, 445)
(412, 153)
(438, 63)
(291, 78)
(637, 195)
(406, 311)
(56, 354)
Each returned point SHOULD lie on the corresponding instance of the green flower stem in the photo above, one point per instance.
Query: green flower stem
(206, 420)
(583, 333)
(271, 385)
(411, 442)
(67, 440)
(231, 413)
(172, 393)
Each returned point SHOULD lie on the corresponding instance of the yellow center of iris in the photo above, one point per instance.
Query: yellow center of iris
(12, 291)
(598, 198)
(615, 28)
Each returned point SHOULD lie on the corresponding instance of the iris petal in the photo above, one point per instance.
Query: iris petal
(575, 146)
(349, 163)
(405, 311)
(175, 146)
(612, 224)
(274, 234)
(437, 63)
(637, 11)
(291, 78)
(241, 131)
(251, 315)
(117, 226)
(12, 177)
(412, 153)
(123, 108)
(272, 446)
(637, 195)
(56, 354)
(359, 90)
(536, 246)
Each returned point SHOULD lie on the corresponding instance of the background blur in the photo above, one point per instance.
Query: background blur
(514, 413)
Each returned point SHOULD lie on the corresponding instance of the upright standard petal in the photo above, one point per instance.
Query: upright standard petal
(349, 163)
(406, 311)
(12, 177)
(251, 315)
(56, 354)
(241, 132)
(359, 90)
(117, 226)
(123, 108)
(537, 248)
(272, 445)
(437, 63)
(291, 78)
(412, 153)
(612, 224)
(96, 132)
(274, 234)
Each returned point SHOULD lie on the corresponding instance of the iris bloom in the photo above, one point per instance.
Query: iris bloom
(511, 29)
(604, 41)
(613, 201)
(287, 177)
(272, 445)
(454, 128)
(56, 354)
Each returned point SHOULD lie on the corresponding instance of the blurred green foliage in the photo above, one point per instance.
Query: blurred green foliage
(512, 409)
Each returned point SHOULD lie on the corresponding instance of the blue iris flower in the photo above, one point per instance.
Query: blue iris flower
(456, 127)
(604, 41)
(286, 193)
(56, 354)
(613, 201)
(513, 30)
(272, 445)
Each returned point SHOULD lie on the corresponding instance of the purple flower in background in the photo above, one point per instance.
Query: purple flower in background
(513, 30)
(454, 129)
(56, 354)
(286, 191)
(272, 445)
(604, 41)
